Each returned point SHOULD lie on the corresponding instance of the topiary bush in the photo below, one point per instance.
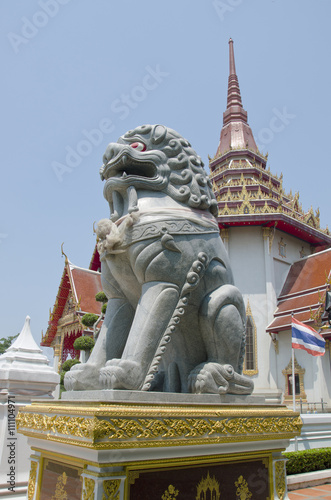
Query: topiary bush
(308, 460)
(62, 374)
(103, 308)
(89, 319)
(84, 343)
(68, 364)
(101, 297)
(64, 369)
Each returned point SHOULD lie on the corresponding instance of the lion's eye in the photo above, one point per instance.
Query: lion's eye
(139, 146)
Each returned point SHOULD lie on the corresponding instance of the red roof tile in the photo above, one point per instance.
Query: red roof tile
(86, 284)
(308, 273)
(303, 290)
(95, 264)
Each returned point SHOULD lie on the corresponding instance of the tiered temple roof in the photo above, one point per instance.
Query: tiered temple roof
(247, 192)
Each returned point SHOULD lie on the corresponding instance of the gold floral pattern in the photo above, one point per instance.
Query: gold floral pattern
(242, 491)
(88, 491)
(32, 480)
(111, 489)
(280, 479)
(170, 494)
(60, 493)
(166, 426)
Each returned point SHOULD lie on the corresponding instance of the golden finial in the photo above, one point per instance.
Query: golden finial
(62, 252)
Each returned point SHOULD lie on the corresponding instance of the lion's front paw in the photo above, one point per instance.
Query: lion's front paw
(215, 378)
(210, 378)
(121, 374)
(82, 377)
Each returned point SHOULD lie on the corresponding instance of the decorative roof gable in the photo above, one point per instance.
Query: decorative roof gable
(303, 293)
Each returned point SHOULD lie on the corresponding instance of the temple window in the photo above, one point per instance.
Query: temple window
(250, 362)
(282, 248)
(299, 382)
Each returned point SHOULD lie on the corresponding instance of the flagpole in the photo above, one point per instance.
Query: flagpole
(293, 380)
(293, 374)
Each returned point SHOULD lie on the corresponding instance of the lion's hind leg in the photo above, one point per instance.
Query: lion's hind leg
(222, 324)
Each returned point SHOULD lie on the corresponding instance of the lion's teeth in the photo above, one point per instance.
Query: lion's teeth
(124, 159)
(124, 174)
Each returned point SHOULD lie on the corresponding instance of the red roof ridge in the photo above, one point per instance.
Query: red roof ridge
(308, 291)
(298, 309)
(285, 326)
(317, 254)
(73, 266)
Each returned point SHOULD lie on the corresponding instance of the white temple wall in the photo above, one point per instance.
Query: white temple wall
(260, 262)
(252, 267)
(317, 374)
(245, 249)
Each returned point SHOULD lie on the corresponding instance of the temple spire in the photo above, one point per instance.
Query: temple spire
(235, 133)
(231, 58)
(234, 109)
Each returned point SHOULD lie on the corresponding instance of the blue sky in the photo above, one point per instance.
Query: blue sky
(78, 74)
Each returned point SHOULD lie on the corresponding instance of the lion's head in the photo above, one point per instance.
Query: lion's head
(157, 158)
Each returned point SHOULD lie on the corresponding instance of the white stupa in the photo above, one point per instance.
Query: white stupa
(25, 370)
(25, 374)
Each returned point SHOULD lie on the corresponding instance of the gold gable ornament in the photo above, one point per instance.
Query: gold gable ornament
(210, 484)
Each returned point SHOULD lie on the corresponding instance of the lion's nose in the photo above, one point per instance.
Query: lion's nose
(112, 150)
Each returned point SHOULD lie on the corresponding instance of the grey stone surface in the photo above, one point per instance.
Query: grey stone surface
(162, 397)
(175, 322)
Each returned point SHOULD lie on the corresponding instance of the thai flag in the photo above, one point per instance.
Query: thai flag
(305, 337)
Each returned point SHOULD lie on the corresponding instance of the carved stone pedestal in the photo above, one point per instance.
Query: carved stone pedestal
(203, 447)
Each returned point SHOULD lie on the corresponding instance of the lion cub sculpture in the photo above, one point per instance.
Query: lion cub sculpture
(175, 322)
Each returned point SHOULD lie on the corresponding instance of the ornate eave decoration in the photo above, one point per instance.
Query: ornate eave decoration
(316, 315)
(238, 180)
(256, 152)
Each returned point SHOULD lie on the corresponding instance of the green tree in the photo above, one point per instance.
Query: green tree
(6, 342)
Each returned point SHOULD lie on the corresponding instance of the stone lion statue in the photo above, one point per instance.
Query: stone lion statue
(175, 322)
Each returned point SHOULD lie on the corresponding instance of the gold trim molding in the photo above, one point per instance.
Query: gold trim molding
(116, 425)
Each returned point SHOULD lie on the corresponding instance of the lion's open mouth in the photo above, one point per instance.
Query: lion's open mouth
(125, 166)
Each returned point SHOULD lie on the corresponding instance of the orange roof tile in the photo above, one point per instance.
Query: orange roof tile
(86, 284)
(303, 290)
(308, 273)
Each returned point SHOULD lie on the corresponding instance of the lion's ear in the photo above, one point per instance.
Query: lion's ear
(158, 134)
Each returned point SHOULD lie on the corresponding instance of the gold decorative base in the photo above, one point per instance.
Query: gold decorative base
(138, 451)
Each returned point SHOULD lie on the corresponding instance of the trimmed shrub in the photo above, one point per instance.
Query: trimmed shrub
(62, 374)
(89, 319)
(103, 308)
(101, 297)
(68, 364)
(308, 460)
(84, 343)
